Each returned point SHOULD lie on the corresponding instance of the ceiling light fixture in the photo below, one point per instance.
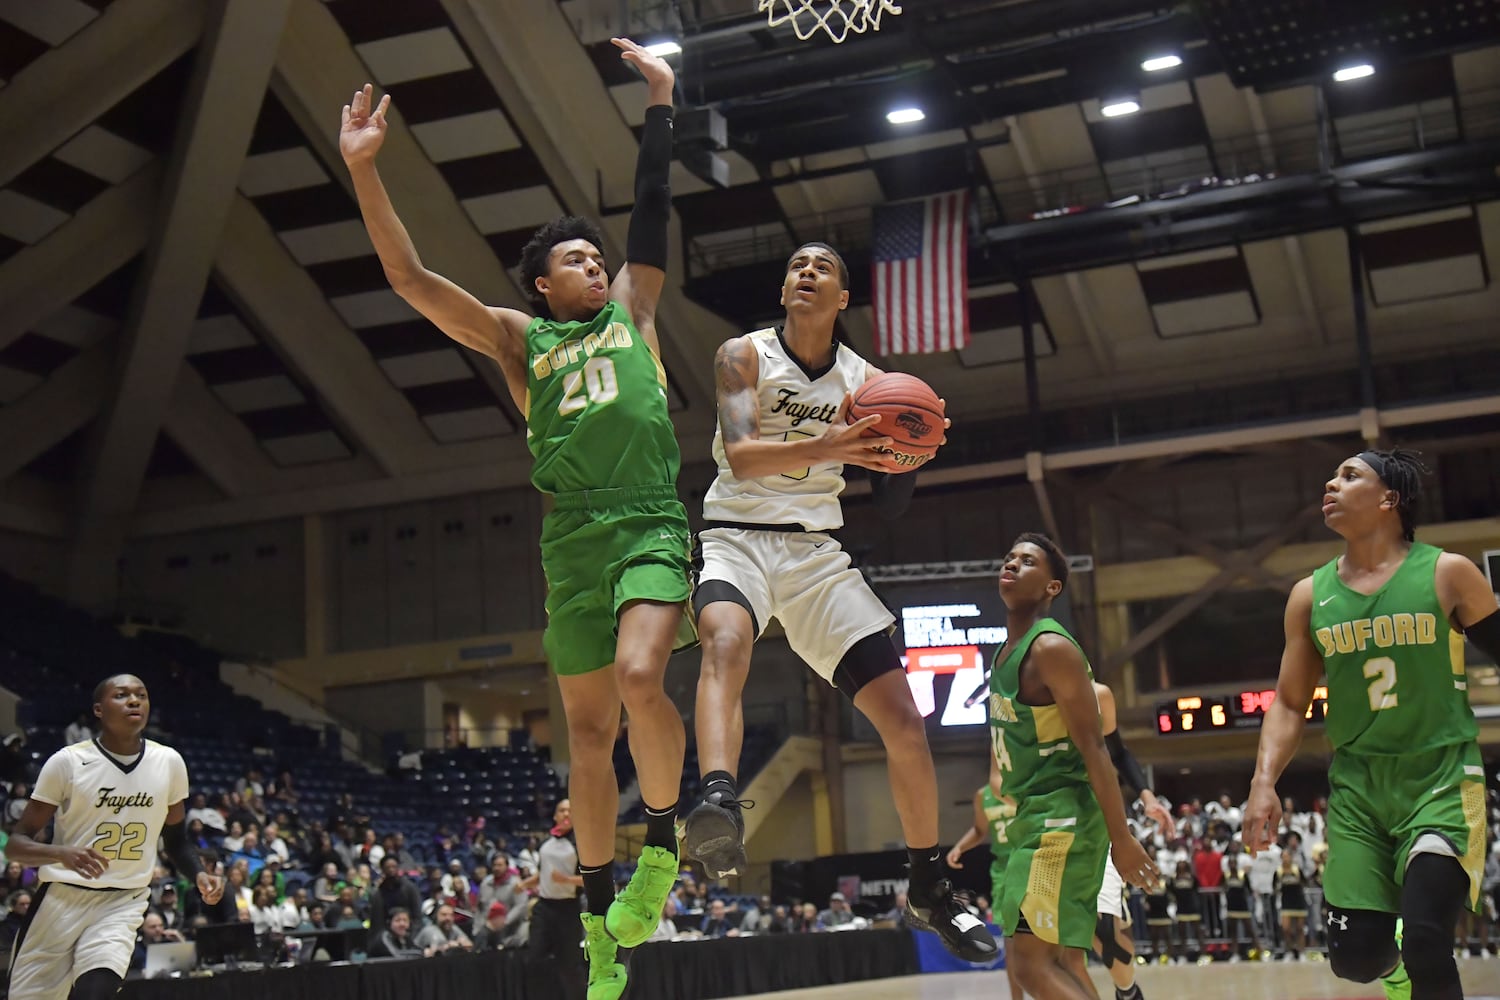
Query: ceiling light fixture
(1158, 63)
(1117, 107)
(664, 48)
(905, 116)
(1357, 72)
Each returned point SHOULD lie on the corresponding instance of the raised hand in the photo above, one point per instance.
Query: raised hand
(363, 130)
(659, 76)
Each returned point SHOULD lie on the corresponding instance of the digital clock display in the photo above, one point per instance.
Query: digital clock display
(1244, 710)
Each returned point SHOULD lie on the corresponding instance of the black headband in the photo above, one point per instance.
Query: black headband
(1380, 464)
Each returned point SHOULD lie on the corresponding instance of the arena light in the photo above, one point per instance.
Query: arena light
(1357, 72)
(1118, 107)
(905, 116)
(664, 48)
(1158, 63)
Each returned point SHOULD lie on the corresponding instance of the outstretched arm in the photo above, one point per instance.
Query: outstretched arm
(736, 374)
(638, 285)
(1281, 730)
(498, 333)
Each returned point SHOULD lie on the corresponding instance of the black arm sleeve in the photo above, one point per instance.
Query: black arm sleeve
(1130, 770)
(892, 492)
(646, 242)
(1485, 633)
(183, 855)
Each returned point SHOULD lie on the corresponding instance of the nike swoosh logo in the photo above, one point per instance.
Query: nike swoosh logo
(1326, 600)
(86, 763)
(1440, 789)
(819, 545)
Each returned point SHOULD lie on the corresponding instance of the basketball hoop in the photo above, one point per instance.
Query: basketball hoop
(836, 17)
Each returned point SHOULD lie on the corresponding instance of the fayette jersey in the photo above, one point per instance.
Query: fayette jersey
(1035, 755)
(795, 403)
(117, 810)
(596, 406)
(1396, 682)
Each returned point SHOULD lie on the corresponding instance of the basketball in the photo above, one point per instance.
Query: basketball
(910, 413)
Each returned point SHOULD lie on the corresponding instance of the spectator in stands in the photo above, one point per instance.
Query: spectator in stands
(666, 929)
(404, 857)
(396, 940)
(235, 838)
(838, 913)
(443, 934)
(238, 888)
(313, 920)
(395, 891)
(455, 882)
(275, 846)
(20, 794)
(781, 921)
(205, 814)
(256, 807)
(323, 855)
(897, 913)
(283, 792)
(264, 913)
(193, 907)
(491, 934)
(757, 918)
(78, 731)
(436, 896)
(250, 845)
(347, 920)
(370, 852)
(15, 878)
(1225, 811)
(235, 811)
(270, 878)
(806, 921)
(527, 858)
(17, 905)
(326, 886)
(152, 932)
(197, 835)
(166, 908)
(298, 898)
(716, 923)
(1208, 867)
(250, 784)
(351, 899)
(343, 814)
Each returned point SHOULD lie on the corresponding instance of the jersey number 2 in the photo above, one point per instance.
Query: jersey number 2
(120, 843)
(1382, 674)
(595, 383)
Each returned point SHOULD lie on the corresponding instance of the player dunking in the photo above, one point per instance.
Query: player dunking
(1059, 801)
(589, 381)
(781, 447)
(1386, 621)
(112, 798)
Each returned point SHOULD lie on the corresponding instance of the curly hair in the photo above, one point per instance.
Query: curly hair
(535, 254)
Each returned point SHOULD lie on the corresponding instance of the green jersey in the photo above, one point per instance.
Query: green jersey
(1396, 682)
(997, 815)
(1031, 742)
(596, 406)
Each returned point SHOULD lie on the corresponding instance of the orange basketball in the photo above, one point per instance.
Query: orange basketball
(910, 414)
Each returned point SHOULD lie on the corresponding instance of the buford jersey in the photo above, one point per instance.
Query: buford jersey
(1396, 682)
(596, 406)
(795, 403)
(118, 810)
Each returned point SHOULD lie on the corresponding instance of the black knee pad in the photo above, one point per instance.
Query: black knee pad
(1111, 952)
(869, 658)
(95, 984)
(1361, 944)
(1436, 890)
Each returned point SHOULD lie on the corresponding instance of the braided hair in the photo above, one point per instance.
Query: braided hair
(1401, 472)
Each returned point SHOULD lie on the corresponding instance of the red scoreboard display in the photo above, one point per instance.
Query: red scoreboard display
(1208, 713)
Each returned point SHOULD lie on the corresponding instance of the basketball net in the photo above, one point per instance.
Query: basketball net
(836, 17)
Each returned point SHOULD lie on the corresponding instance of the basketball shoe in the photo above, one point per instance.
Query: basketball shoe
(607, 977)
(945, 913)
(714, 833)
(636, 911)
(1397, 985)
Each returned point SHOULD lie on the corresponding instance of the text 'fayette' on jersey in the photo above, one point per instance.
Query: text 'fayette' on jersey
(1383, 631)
(570, 352)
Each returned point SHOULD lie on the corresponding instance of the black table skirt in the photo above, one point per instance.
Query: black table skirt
(685, 970)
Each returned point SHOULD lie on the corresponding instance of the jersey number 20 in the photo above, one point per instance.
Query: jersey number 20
(120, 843)
(594, 383)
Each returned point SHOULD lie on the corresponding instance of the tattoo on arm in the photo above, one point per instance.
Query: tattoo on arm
(734, 379)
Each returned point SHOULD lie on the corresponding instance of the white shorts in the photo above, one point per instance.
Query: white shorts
(1112, 894)
(802, 579)
(71, 931)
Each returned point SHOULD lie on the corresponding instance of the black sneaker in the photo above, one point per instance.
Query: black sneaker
(947, 916)
(714, 833)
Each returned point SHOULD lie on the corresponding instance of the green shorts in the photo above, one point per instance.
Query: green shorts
(1054, 868)
(601, 550)
(1379, 808)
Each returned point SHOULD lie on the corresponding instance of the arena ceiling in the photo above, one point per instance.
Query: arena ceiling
(194, 329)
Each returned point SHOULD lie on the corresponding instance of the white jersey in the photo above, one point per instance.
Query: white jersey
(117, 809)
(794, 403)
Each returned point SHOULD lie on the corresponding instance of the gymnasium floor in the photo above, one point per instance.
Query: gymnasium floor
(1244, 981)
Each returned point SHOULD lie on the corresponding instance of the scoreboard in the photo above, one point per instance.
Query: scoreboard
(1243, 710)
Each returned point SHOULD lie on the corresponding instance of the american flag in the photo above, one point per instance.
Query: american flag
(922, 275)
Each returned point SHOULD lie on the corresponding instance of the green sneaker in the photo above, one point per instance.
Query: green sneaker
(606, 976)
(1397, 985)
(636, 911)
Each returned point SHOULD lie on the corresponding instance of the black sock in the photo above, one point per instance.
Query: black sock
(1134, 993)
(926, 869)
(599, 887)
(725, 782)
(661, 827)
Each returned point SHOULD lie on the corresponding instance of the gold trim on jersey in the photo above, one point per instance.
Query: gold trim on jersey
(1474, 816)
(1041, 906)
(1050, 726)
